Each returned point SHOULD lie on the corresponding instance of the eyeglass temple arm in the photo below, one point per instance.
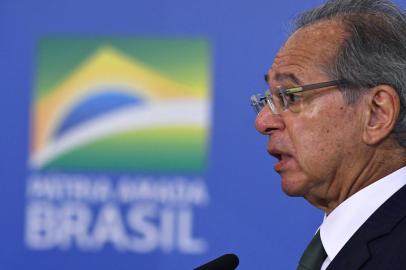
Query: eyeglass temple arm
(313, 86)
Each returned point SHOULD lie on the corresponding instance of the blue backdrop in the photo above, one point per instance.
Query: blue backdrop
(247, 213)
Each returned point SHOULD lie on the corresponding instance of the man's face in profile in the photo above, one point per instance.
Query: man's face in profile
(315, 144)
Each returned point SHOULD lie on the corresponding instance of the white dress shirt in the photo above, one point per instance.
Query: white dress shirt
(339, 226)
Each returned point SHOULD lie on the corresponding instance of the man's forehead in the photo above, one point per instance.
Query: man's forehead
(328, 32)
(313, 45)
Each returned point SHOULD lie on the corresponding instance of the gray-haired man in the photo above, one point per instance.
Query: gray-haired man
(335, 114)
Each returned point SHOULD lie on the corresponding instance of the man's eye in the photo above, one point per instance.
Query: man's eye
(293, 98)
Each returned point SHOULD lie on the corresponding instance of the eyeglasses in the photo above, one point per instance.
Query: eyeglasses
(284, 99)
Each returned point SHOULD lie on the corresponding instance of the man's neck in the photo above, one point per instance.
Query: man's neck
(382, 161)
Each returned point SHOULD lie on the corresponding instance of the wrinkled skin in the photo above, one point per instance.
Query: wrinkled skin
(320, 149)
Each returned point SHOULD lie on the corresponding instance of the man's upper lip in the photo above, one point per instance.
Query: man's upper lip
(278, 153)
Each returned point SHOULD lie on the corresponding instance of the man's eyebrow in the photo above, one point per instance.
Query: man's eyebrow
(285, 76)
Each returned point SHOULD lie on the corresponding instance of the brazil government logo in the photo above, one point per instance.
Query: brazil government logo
(119, 137)
(137, 105)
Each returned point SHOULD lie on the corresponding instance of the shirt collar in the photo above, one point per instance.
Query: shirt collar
(339, 226)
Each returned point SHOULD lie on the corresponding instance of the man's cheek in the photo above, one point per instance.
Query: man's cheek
(312, 163)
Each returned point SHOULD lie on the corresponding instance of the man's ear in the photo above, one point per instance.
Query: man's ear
(382, 111)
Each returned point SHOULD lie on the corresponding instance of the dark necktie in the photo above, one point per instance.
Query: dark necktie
(314, 255)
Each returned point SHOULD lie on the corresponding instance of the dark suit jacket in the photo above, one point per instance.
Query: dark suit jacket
(380, 243)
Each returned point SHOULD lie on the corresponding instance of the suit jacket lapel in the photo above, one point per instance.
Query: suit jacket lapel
(356, 251)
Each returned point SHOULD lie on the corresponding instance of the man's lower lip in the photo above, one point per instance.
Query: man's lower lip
(279, 166)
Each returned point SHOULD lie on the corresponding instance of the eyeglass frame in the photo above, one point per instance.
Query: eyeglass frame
(258, 101)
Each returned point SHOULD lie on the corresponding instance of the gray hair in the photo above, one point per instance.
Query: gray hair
(373, 51)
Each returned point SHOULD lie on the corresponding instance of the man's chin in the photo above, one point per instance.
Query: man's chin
(293, 188)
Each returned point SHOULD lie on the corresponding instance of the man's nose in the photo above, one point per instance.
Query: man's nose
(266, 121)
